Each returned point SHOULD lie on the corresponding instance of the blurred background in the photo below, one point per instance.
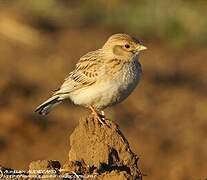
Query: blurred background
(165, 119)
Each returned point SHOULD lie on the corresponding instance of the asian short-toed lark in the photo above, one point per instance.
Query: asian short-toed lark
(101, 78)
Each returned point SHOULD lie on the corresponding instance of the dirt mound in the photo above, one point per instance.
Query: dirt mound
(97, 152)
(104, 147)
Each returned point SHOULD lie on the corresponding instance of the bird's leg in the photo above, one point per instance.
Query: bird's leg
(96, 115)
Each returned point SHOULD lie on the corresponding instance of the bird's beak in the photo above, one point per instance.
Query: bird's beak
(140, 47)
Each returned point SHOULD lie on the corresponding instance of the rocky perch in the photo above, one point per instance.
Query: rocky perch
(97, 152)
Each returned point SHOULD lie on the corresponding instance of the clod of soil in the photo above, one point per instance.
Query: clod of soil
(102, 146)
(99, 152)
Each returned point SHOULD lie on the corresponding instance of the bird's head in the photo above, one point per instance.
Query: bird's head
(123, 46)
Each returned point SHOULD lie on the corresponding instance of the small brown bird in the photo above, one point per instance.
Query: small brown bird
(101, 78)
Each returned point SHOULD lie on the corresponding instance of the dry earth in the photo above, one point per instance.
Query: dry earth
(97, 152)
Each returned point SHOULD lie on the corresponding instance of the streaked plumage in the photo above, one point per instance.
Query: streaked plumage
(103, 77)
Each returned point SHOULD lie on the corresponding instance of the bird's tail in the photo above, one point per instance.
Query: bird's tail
(47, 106)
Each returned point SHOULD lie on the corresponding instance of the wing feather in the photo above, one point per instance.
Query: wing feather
(86, 72)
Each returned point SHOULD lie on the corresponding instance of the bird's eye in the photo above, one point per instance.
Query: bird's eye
(127, 46)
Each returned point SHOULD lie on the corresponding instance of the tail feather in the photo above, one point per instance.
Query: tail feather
(47, 106)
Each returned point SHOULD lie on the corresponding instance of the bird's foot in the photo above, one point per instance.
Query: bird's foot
(98, 117)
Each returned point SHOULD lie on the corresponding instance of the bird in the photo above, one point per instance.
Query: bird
(101, 78)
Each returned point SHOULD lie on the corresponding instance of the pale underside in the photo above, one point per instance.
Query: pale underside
(99, 82)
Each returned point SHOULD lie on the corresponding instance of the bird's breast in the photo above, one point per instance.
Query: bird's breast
(128, 79)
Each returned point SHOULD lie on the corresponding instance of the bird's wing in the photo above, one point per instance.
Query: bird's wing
(86, 72)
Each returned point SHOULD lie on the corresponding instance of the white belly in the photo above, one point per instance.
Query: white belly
(109, 90)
